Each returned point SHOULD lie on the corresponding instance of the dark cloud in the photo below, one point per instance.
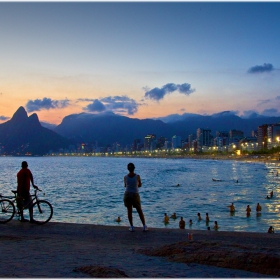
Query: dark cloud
(3, 118)
(250, 114)
(45, 104)
(225, 114)
(272, 112)
(96, 106)
(266, 67)
(159, 93)
(116, 104)
(265, 101)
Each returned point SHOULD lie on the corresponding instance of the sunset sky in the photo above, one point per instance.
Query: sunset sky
(139, 59)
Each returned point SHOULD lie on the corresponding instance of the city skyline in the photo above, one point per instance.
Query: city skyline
(139, 59)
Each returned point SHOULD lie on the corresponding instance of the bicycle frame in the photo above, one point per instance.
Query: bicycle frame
(34, 199)
(42, 210)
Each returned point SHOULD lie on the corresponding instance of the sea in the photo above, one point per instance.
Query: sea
(89, 190)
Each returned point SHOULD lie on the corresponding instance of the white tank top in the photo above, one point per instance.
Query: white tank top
(131, 184)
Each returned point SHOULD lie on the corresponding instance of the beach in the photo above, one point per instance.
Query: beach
(69, 250)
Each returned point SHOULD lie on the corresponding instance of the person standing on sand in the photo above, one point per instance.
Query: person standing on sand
(132, 182)
(24, 177)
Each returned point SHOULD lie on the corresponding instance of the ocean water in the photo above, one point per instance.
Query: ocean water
(90, 190)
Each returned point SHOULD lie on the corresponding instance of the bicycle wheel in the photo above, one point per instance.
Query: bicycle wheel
(42, 211)
(7, 210)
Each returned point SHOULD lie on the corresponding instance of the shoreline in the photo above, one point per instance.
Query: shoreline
(246, 158)
(84, 250)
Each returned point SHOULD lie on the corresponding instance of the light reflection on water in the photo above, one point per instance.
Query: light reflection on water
(90, 190)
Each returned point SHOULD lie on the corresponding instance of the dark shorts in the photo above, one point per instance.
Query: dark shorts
(132, 199)
(24, 201)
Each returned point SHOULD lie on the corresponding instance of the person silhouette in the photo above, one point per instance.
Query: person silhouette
(132, 182)
(24, 177)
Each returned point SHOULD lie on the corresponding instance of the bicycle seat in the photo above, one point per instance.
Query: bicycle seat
(14, 192)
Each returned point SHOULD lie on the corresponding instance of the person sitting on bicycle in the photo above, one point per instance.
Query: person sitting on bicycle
(24, 176)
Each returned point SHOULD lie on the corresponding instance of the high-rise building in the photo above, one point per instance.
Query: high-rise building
(262, 137)
(235, 136)
(136, 144)
(160, 142)
(176, 142)
(273, 135)
(148, 140)
(167, 145)
(203, 137)
(190, 140)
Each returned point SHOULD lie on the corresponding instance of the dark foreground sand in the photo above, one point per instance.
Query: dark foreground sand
(82, 251)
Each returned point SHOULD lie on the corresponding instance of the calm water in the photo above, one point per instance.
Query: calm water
(90, 190)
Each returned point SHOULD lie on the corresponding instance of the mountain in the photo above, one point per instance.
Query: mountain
(23, 134)
(108, 129)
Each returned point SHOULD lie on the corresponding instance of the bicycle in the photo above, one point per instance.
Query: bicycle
(42, 209)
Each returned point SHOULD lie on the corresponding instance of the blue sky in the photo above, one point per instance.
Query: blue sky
(139, 59)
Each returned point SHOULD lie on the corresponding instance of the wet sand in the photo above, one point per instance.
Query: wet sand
(67, 250)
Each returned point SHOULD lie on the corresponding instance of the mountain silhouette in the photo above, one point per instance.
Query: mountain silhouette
(110, 128)
(22, 134)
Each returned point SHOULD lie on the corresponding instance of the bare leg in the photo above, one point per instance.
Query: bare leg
(30, 208)
(31, 213)
(129, 215)
(21, 213)
(141, 215)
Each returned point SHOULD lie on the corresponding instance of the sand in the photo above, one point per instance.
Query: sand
(81, 251)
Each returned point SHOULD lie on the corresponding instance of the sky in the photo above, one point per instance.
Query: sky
(139, 59)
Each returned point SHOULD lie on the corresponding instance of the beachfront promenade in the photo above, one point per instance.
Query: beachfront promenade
(69, 250)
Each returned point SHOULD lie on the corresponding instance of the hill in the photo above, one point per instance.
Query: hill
(111, 128)
(25, 135)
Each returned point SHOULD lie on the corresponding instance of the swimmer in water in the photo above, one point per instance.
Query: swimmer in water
(271, 194)
(215, 227)
(207, 220)
(190, 222)
(166, 218)
(118, 219)
(173, 216)
(182, 223)
(231, 208)
(248, 211)
(270, 229)
(199, 217)
(258, 208)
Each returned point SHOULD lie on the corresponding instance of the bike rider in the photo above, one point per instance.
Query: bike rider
(24, 177)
